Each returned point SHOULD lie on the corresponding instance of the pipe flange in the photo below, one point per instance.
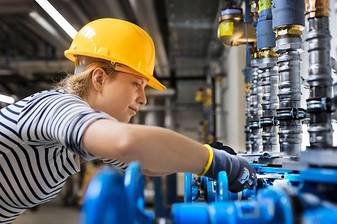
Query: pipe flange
(290, 113)
(254, 124)
(318, 105)
(247, 129)
(266, 121)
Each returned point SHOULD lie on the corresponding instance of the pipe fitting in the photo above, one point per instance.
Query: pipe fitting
(317, 8)
(254, 10)
(232, 29)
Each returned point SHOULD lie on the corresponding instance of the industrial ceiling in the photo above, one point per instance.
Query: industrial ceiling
(32, 43)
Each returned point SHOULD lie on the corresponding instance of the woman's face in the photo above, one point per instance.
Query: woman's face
(122, 95)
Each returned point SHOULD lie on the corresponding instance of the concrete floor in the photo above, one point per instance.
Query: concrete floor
(52, 212)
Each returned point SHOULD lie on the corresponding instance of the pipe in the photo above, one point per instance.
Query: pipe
(255, 106)
(320, 80)
(233, 31)
(232, 28)
(288, 23)
(269, 77)
(254, 10)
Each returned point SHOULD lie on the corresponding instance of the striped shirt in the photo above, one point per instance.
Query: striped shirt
(40, 146)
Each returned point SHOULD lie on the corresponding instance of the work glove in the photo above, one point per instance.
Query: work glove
(240, 174)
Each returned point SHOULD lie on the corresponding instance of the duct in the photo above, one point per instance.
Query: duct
(288, 23)
(146, 18)
(24, 67)
(116, 9)
(232, 30)
(57, 40)
(77, 10)
(15, 7)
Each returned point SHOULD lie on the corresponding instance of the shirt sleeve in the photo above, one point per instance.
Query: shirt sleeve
(56, 117)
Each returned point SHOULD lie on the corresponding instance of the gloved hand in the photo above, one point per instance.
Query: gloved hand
(240, 174)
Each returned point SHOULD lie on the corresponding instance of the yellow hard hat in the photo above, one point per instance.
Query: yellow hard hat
(119, 42)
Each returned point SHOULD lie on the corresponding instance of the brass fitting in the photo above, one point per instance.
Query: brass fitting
(288, 31)
(317, 8)
(268, 53)
(254, 10)
(247, 87)
(257, 54)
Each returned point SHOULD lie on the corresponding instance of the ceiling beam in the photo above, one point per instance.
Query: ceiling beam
(145, 13)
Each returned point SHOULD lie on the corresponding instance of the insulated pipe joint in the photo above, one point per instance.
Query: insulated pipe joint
(264, 33)
(288, 13)
(232, 30)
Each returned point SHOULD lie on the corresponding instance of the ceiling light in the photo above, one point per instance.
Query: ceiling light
(43, 22)
(6, 99)
(58, 18)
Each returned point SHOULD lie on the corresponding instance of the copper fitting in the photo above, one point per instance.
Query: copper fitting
(317, 8)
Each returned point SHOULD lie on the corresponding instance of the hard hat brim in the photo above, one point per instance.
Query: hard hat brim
(153, 82)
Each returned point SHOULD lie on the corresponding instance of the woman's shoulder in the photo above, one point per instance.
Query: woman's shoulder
(57, 93)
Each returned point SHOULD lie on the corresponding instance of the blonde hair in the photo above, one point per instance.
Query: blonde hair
(80, 84)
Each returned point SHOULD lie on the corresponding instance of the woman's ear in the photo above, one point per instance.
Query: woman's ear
(98, 76)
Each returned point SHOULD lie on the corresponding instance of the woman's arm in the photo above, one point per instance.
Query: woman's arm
(159, 150)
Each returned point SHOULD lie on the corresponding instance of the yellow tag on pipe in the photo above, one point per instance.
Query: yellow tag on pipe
(264, 4)
(226, 29)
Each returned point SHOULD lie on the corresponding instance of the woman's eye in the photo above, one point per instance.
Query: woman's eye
(137, 85)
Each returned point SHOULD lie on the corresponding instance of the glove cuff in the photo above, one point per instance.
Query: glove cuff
(210, 159)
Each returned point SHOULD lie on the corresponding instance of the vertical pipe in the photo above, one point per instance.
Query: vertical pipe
(288, 24)
(255, 106)
(269, 77)
(320, 80)
(253, 89)
(247, 71)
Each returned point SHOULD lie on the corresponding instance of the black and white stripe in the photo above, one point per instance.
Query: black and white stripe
(40, 146)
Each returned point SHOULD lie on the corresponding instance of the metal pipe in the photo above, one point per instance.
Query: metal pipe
(247, 114)
(320, 80)
(255, 106)
(247, 71)
(288, 23)
(269, 77)
(269, 103)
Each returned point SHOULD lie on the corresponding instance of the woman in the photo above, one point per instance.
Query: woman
(43, 136)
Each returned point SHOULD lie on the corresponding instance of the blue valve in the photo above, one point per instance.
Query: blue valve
(112, 198)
